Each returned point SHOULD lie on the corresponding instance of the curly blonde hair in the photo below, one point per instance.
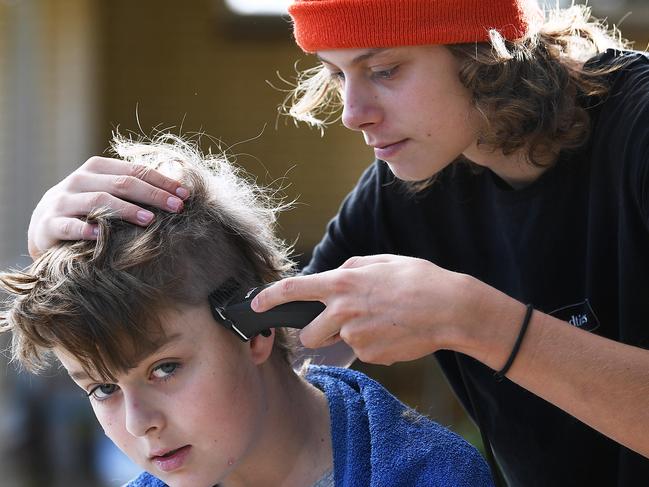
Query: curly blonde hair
(102, 300)
(526, 90)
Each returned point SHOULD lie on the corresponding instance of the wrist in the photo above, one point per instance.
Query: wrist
(500, 374)
(490, 324)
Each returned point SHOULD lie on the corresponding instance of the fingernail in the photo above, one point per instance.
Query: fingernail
(144, 216)
(174, 204)
(255, 303)
(95, 231)
(182, 193)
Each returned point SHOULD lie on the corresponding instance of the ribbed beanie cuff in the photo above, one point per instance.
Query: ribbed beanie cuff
(339, 24)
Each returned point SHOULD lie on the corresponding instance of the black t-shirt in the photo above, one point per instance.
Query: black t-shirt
(575, 244)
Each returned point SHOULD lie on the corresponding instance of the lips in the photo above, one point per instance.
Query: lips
(169, 460)
(387, 150)
(383, 145)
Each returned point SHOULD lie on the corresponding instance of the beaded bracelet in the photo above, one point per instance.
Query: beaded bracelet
(500, 375)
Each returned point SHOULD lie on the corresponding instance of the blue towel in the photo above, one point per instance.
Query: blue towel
(380, 442)
(145, 479)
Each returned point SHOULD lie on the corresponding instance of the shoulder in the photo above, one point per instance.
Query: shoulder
(627, 74)
(618, 66)
(620, 136)
(390, 440)
(620, 119)
(617, 58)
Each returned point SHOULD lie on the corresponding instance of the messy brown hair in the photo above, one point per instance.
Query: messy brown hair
(102, 300)
(526, 90)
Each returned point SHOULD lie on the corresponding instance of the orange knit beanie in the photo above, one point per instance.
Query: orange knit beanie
(334, 24)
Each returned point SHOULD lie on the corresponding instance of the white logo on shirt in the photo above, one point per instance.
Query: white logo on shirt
(580, 315)
(578, 320)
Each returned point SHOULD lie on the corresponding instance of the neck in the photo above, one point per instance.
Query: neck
(294, 450)
(515, 169)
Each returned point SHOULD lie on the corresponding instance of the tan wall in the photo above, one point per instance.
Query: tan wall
(189, 64)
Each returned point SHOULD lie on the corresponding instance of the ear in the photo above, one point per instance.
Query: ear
(261, 347)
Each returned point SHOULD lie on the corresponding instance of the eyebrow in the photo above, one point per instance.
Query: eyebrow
(169, 340)
(361, 57)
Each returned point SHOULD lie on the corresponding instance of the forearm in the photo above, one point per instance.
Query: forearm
(601, 382)
(392, 308)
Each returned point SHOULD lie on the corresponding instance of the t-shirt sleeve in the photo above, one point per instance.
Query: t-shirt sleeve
(636, 135)
(353, 231)
(627, 128)
(639, 150)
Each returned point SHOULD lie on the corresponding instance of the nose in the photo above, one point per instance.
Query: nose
(142, 415)
(361, 108)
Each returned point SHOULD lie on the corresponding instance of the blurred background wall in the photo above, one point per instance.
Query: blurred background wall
(72, 72)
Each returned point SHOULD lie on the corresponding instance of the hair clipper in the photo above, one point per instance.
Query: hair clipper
(238, 316)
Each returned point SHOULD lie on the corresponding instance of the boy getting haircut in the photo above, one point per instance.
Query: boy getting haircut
(128, 317)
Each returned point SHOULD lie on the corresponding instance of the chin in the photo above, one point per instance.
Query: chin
(415, 172)
(409, 176)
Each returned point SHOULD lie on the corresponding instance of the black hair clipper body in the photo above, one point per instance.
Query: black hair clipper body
(238, 316)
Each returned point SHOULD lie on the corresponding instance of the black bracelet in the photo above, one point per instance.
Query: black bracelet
(500, 375)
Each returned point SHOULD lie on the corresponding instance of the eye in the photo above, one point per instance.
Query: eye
(385, 73)
(165, 370)
(102, 392)
(336, 75)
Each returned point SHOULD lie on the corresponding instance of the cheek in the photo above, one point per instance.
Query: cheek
(226, 393)
(114, 428)
(451, 126)
(229, 409)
